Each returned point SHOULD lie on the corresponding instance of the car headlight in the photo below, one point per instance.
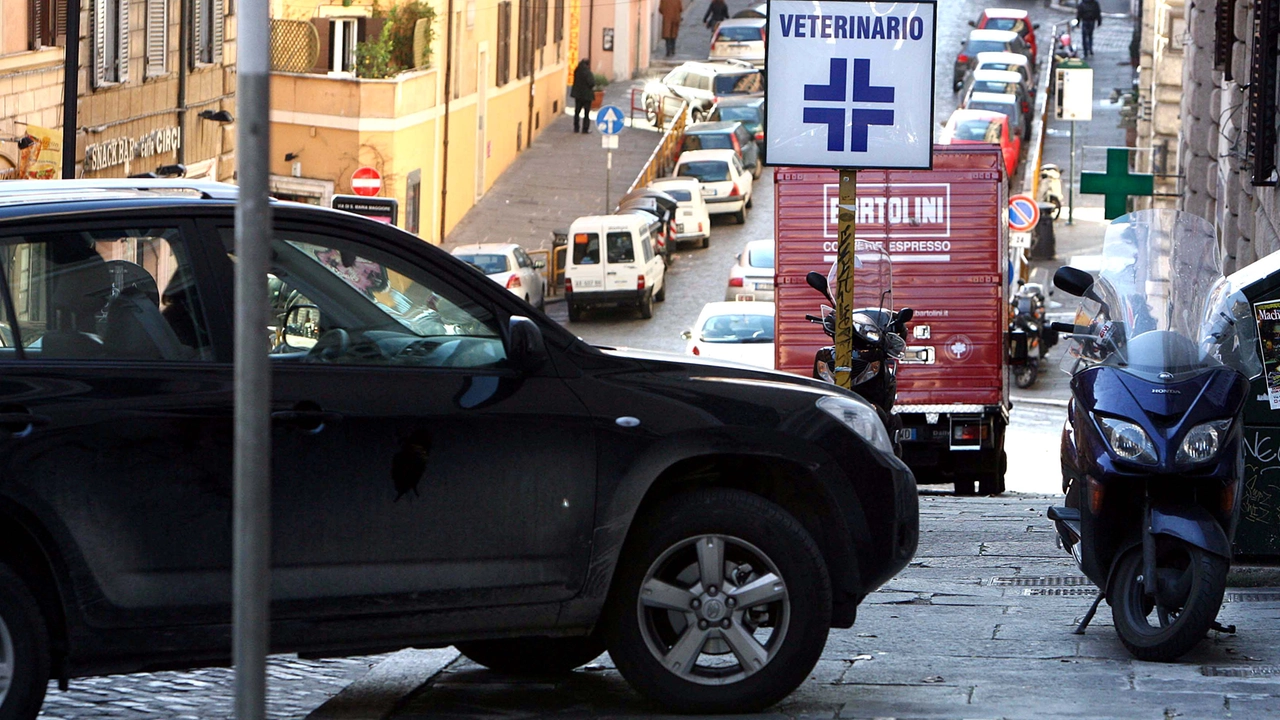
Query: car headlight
(1128, 440)
(866, 327)
(1203, 441)
(859, 417)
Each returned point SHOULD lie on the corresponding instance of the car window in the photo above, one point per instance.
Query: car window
(619, 247)
(522, 259)
(737, 166)
(646, 246)
(679, 195)
(1001, 24)
(675, 77)
(489, 263)
(743, 136)
(335, 301)
(738, 84)
(706, 170)
(760, 256)
(114, 293)
(740, 34)
(586, 249)
(977, 130)
(994, 86)
(977, 46)
(700, 82)
(706, 141)
(1001, 108)
(742, 113)
(737, 328)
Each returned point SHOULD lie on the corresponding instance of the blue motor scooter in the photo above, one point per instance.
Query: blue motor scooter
(1162, 352)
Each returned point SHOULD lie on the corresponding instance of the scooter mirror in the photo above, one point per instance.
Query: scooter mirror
(818, 282)
(905, 314)
(1072, 280)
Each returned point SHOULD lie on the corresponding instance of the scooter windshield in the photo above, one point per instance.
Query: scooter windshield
(872, 277)
(1160, 307)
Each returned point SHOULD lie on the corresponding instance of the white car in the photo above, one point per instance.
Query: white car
(735, 331)
(693, 222)
(739, 39)
(726, 185)
(511, 267)
(613, 261)
(751, 277)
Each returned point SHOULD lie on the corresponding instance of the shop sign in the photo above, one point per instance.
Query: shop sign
(98, 156)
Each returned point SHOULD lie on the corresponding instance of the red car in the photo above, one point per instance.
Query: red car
(1007, 19)
(984, 126)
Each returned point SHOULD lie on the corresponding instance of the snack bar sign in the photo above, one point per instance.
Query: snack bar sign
(850, 84)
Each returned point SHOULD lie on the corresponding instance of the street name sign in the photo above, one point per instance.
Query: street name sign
(852, 84)
(609, 119)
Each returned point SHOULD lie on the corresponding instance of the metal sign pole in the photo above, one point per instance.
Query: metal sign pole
(845, 277)
(1071, 177)
(608, 172)
(251, 569)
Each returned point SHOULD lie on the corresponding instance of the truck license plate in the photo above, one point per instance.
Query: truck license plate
(679, 227)
(586, 284)
(764, 286)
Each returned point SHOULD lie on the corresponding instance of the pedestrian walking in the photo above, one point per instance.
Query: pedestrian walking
(718, 11)
(584, 91)
(670, 10)
(1089, 13)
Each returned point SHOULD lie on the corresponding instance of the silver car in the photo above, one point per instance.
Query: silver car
(751, 278)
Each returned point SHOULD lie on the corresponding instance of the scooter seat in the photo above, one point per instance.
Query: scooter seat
(1064, 514)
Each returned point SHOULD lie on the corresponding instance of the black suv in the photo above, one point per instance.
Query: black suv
(449, 465)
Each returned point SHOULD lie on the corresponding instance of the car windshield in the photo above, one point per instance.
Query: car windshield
(977, 46)
(1005, 66)
(1003, 24)
(706, 170)
(1002, 108)
(977, 130)
(739, 34)
(738, 328)
(760, 256)
(738, 84)
(707, 141)
(742, 113)
(489, 264)
(994, 86)
(679, 195)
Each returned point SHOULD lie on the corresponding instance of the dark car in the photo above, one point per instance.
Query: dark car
(724, 136)
(701, 85)
(986, 41)
(747, 110)
(449, 465)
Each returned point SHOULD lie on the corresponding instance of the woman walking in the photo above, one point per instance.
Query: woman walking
(584, 91)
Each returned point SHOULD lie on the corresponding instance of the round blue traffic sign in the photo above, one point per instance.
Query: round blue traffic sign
(1024, 213)
(610, 119)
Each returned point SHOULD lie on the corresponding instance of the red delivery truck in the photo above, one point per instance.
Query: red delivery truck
(946, 233)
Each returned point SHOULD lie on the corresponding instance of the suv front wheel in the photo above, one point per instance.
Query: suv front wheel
(722, 604)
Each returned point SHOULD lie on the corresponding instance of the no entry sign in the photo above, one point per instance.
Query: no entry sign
(852, 84)
(366, 181)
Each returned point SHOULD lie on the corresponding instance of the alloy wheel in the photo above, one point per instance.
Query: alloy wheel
(7, 665)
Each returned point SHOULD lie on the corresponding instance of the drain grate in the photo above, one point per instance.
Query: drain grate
(1041, 581)
(1060, 591)
(1240, 671)
(1246, 596)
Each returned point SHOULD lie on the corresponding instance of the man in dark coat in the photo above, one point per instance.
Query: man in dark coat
(584, 91)
(717, 12)
(670, 10)
(1089, 13)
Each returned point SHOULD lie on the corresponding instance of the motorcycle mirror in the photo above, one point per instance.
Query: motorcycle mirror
(818, 282)
(905, 314)
(1072, 280)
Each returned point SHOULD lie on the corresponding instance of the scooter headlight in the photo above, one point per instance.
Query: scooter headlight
(859, 417)
(866, 327)
(867, 373)
(1128, 441)
(824, 372)
(1203, 441)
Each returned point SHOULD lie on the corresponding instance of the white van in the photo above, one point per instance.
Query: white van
(611, 260)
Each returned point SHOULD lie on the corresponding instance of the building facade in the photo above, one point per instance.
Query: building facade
(618, 35)
(483, 81)
(1160, 97)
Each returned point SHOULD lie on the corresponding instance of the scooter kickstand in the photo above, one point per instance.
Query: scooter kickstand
(1088, 617)
(1230, 629)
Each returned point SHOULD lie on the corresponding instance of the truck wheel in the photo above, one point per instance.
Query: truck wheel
(722, 604)
(1190, 585)
(646, 305)
(535, 655)
(24, 650)
(575, 312)
(992, 483)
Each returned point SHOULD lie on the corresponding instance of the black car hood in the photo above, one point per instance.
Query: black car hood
(722, 371)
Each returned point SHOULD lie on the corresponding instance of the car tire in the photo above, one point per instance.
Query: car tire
(758, 170)
(741, 216)
(705, 242)
(24, 646)
(661, 295)
(575, 312)
(750, 201)
(534, 655)
(651, 112)
(695, 115)
(759, 539)
(646, 305)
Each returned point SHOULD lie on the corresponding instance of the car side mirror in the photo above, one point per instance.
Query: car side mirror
(818, 282)
(1072, 280)
(525, 346)
(539, 264)
(686, 335)
(299, 330)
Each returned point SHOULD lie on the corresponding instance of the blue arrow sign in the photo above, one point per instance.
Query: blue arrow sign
(1023, 213)
(609, 119)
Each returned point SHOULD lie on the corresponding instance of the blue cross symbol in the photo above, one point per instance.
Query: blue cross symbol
(863, 92)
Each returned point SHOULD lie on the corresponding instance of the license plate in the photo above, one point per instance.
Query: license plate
(744, 297)
(586, 284)
(679, 227)
(708, 191)
(764, 286)
(909, 434)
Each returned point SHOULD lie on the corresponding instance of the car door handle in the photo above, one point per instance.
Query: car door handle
(306, 416)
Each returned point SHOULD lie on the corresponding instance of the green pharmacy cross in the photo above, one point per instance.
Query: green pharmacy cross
(1117, 183)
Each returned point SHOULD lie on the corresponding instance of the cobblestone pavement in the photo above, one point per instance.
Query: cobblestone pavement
(294, 689)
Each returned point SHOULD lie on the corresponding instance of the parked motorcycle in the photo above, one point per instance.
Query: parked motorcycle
(1064, 47)
(1050, 188)
(1029, 337)
(1151, 453)
(878, 332)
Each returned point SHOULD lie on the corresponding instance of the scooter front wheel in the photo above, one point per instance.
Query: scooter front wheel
(1190, 586)
(1024, 375)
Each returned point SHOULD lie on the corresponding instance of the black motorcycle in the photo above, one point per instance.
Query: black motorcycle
(1029, 336)
(1151, 452)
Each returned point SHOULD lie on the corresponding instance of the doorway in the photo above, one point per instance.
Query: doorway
(482, 83)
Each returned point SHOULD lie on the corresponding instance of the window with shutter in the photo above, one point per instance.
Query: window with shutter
(524, 50)
(540, 25)
(1223, 36)
(43, 15)
(157, 37)
(216, 20)
(199, 35)
(1262, 91)
(208, 19)
(503, 63)
(558, 21)
(323, 35)
(122, 40)
(110, 22)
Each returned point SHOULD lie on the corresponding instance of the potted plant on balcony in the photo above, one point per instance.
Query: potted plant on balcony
(601, 82)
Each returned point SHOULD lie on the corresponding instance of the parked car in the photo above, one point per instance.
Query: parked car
(735, 331)
(981, 41)
(701, 85)
(747, 110)
(445, 470)
(1007, 104)
(751, 277)
(739, 39)
(755, 11)
(692, 220)
(1000, 82)
(724, 135)
(1008, 62)
(1008, 19)
(611, 262)
(510, 266)
(726, 185)
(967, 126)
